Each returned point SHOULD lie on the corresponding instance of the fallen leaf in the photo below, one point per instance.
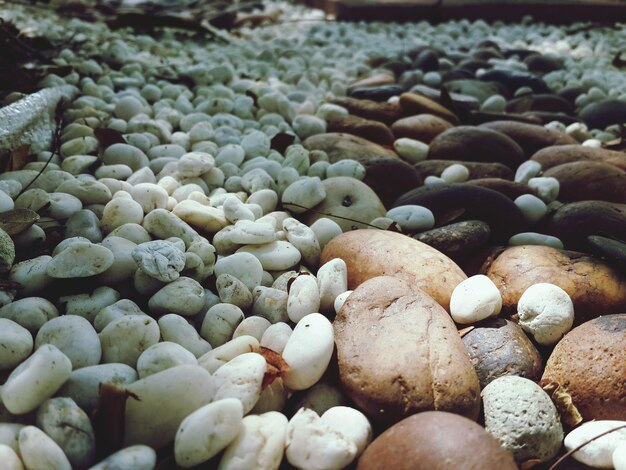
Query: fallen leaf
(394, 227)
(281, 141)
(529, 464)
(618, 62)
(109, 418)
(19, 158)
(108, 137)
(570, 415)
(17, 220)
(293, 278)
(464, 331)
(276, 366)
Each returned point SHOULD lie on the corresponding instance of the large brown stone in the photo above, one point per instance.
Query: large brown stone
(373, 80)
(423, 127)
(387, 113)
(530, 137)
(412, 103)
(371, 130)
(588, 180)
(476, 144)
(476, 169)
(510, 189)
(340, 146)
(589, 364)
(560, 154)
(399, 353)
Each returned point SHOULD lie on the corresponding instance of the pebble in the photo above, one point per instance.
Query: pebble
(275, 256)
(159, 259)
(533, 238)
(241, 378)
(75, 337)
(161, 356)
(303, 298)
(523, 418)
(16, 344)
(125, 338)
(37, 450)
(80, 260)
(176, 329)
(138, 457)
(207, 431)
(9, 458)
(547, 188)
(184, 296)
(475, 299)
(532, 207)
(599, 453)
(412, 218)
(411, 150)
(35, 380)
(308, 351)
(456, 173)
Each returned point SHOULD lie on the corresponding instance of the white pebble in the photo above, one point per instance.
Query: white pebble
(332, 278)
(533, 238)
(161, 356)
(527, 170)
(137, 457)
(546, 187)
(411, 150)
(475, 299)
(532, 207)
(455, 173)
(16, 344)
(40, 451)
(75, 337)
(304, 297)
(599, 453)
(546, 312)
(412, 218)
(241, 378)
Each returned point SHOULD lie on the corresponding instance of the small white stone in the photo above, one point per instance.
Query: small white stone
(270, 303)
(350, 422)
(275, 256)
(207, 431)
(120, 211)
(220, 323)
(10, 460)
(599, 453)
(244, 266)
(241, 378)
(494, 104)
(546, 312)
(40, 451)
(340, 300)
(533, 238)
(546, 187)
(16, 344)
(411, 150)
(455, 173)
(35, 380)
(252, 326)
(80, 260)
(304, 297)
(532, 207)
(128, 107)
(160, 260)
(308, 351)
(176, 329)
(123, 340)
(184, 296)
(475, 299)
(275, 337)
(303, 194)
(304, 239)
(247, 232)
(232, 291)
(347, 167)
(119, 309)
(74, 336)
(412, 218)
(137, 457)
(433, 180)
(161, 356)
(219, 356)
(332, 278)
(165, 399)
(313, 444)
(619, 456)
(305, 126)
(325, 230)
(194, 164)
(527, 170)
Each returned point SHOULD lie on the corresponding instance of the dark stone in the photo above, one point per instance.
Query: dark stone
(520, 53)
(376, 93)
(613, 250)
(544, 117)
(477, 170)
(542, 64)
(460, 101)
(487, 53)
(380, 171)
(603, 114)
(397, 67)
(513, 79)
(374, 131)
(427, 61)
(456, 74)
(458, 239)
(510, 189)
(473, 65)
(541, 102)
(571, 93)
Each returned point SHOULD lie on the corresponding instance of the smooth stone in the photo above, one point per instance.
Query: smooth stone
(523, 418)
(514, 79)
(588, 180)
(75, 337)
(306, 125)
(80, 260)
(375, 131)
(422, 127)
(176, 329)
(37, 450)
(308, 351)
(412, 218)
(259, 443)
(220, 323)
(184, 296)
(476, 144)
(332, 279)
(124, 339)
(138, 457)
(9, 458)
(247, 232)
(499, 347)
(559, 154)
(384, 112)
(219, 356)
(477, 170)
(154, 419)
(31, 275)
(456, 239)
(530, 137)
(602, 114)
(162, 356)
(543, 63)
(275, 256)
(477, 89)
(475, 299)
(35, 380)
(599, 453)
(241, 378)
(546, 312)
(534, 238)
(159, 259)
(83, 386)
(232, 291)
(243, 266)
(411, 150)
(379, 171)
(163, 224)
(376, 92)
(412, 103)
(16, 344)
(588, 363)
(435, 440)
(303, 298)
(532, 207)
(613, 250)
(69, 426)
(207, 431)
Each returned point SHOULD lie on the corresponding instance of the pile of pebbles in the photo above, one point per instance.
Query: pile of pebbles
(232, 259)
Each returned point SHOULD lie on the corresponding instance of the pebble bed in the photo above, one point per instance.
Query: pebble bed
(254, 297)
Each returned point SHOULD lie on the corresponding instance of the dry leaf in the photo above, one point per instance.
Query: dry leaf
(564, 404)
(465, 331)
(276, 366)
(529, 464)
(19, 158)
(17, 220)
(109, 418)
(108, 137)
(281, 141)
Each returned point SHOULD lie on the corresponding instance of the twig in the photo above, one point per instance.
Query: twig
(566, 456)
(55, 149)
(329, 215)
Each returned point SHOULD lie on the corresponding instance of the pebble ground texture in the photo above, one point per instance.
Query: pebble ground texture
(304, 243)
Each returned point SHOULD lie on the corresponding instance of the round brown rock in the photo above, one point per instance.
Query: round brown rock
(510, 189)
(380, 171)
(435, 440)
(498, 347)
(458, 239)
(589, 363)
(373, 80)
(432, 167)
(595, 288)
(369, 253)
(572, 223)
(340, 146)
(399, 353)
(587, 180)
(412, 103)
(530, 137)
(373, 130)
(476, 144)
(560, 154)
(387, 113)
(422, 127)
(460, 101)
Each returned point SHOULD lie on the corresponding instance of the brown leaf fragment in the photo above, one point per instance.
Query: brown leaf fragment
(281, 141)
(276, 366)
(464, 331)
(109, 418)
(394, 227)
(17, 220)
(564, 404)
(529, 464)
(108, 137)
(19, 158)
